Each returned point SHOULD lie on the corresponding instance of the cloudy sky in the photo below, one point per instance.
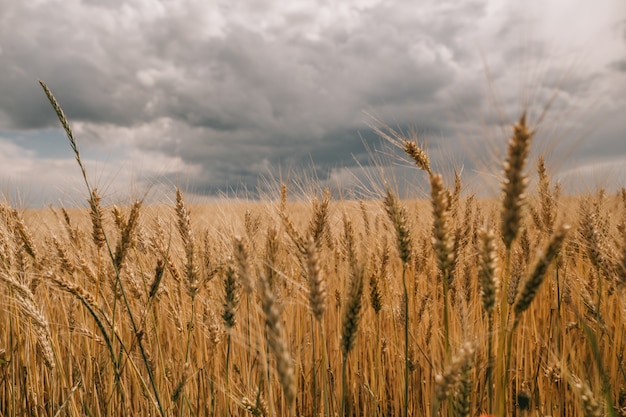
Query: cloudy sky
(215, 95)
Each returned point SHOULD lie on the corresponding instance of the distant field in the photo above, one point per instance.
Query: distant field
(452, 306)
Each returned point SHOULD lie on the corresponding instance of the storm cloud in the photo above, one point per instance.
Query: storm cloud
(223, 92)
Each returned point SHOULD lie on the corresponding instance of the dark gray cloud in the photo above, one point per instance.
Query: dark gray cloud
(230, 91)
(619, 65)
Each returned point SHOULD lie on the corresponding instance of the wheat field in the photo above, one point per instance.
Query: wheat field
(449, 306)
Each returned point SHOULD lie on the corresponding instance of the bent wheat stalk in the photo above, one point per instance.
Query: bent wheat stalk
(118, 282)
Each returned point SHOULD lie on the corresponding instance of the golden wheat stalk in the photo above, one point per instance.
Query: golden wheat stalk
(126, 238)
(187, 236)
(277, 343)
(318, 225)
(242, 259)
(487, 274)
(488, 269)
(442, 236)
(27, 305)
(97, 234)
(317, 284)
(548, 198)
(399, 219)
(447, 382)
(417, 154)
(515, 180)
(23, 234)
(534, 280)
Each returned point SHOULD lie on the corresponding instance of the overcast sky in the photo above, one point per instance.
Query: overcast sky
(213, 95)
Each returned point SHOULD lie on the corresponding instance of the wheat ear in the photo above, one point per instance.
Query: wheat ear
(487, 273)
(277, 344)
(22, 232)
(318, 225)
(591, 406)
(317, 284)
(399, 219)
(187, 236)
(417, 154)
(447, 381)
(242, 259)
(229, 315)
(534, 280)
(515, 181)
(350, 325)
(25, 300)
(126, 238)
(547, 198)
(95, 214)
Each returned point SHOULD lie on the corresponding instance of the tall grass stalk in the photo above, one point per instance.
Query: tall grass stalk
(397, 216)
(247, 282)
(317, 306)
(118, 282)
(514, 194)
(277, 345)
(229, 315)
(443, 247)
(191, 274)
(487, 275)
(350, 324)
